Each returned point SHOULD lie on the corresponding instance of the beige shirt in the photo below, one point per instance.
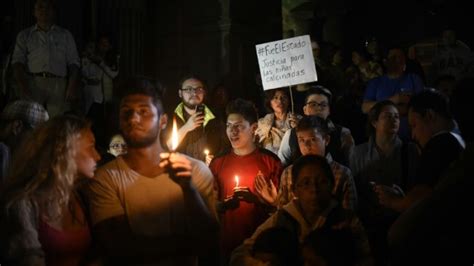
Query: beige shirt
(154, 206)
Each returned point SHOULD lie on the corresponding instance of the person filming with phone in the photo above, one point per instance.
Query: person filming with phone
(198, 128)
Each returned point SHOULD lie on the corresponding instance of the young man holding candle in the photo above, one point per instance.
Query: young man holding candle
(198, 127)
(243, 203)
(149, 206)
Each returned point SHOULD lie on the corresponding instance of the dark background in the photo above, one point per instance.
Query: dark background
(216, 39)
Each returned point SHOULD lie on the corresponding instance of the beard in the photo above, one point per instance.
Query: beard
(145, 141)
(190, 105)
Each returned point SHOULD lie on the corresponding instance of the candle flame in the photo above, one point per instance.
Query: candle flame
(174, 136)
(206, 152)
(236, 181)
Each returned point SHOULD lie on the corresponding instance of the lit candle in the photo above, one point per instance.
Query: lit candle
(206, 152)
(174, 136)
(236, 181)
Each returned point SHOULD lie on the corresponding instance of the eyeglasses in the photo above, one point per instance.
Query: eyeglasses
(322, 105)
(196, 90)
(118, 146)
(238, 127)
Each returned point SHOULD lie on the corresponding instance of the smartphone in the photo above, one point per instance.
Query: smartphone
(200, 109)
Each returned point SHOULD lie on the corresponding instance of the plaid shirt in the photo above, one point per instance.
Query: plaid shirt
(344, 187)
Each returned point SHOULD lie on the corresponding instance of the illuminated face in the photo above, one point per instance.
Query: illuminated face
(312, 188)
(192, 93)
(140, 121)
(388, 121)
(240, 132)
(279, 102)
(317, 104)
(312, 142)
(86, 156)
(117, 145)
(420, 128)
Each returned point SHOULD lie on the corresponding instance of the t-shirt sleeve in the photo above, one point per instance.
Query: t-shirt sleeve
(103, 199)
(204, 181)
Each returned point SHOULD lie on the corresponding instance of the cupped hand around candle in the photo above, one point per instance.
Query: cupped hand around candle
(179, 166)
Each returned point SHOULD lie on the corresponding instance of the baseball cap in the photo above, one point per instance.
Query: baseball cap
(29, 112)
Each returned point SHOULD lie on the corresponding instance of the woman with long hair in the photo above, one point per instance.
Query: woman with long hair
(273, 126)
(43, 216)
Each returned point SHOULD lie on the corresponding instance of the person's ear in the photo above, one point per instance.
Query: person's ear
(374, 124)
(254, 127)
(327, 139)
(17, 127)
(163, 121)
(430, 115)
(180, 94)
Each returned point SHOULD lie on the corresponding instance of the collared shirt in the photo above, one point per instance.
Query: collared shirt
(286, 153)
(51, 51)
(208, 115)
(344, 187)
(368, 165)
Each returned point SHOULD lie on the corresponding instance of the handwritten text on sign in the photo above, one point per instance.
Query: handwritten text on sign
(286, 62)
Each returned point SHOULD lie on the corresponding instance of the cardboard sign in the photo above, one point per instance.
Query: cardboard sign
(286, 62)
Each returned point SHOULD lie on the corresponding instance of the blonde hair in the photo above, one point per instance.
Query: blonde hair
(43, 169)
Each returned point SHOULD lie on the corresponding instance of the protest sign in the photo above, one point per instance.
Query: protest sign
(286, 62)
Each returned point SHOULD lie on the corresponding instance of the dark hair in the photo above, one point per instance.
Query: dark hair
(192, 76)
(313, 122)
(145, 86)
(280, 242)
(430, 100)
(336, 246)
(269, 94)
(316, 160)
(374, 114)
(321, 90)
(244, 108)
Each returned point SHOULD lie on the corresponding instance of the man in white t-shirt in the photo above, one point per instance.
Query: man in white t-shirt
(151, 207)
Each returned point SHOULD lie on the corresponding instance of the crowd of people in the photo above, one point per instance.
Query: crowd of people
(215, 182)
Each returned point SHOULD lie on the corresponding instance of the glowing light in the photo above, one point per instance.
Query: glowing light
(206, 152)
(236, 181)
(174, 136)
